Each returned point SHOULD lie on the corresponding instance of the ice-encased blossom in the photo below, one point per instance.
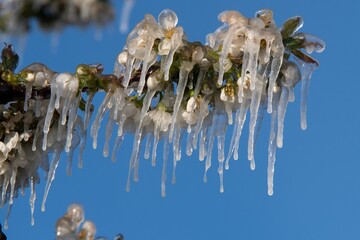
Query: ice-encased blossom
(160, 118)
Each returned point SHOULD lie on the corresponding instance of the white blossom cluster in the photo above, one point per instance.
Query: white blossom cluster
(166, 87)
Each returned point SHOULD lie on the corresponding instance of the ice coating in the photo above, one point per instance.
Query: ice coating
(310, 42)
(166, 90)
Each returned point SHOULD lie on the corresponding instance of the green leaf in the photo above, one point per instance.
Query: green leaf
(303, 56)
(291, 26)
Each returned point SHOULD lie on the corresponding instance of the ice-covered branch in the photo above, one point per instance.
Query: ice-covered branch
(162, 87)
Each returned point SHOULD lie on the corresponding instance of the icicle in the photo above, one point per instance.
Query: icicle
(165, 159)
(60, 131)
(125, 15)
(176, 152)
(12, 184)
(88, 112)
(204, 109)
(306, 70)
(118, 141)
(6, 221)
(70, 123)
(156, 141)
(242, 117)
(70, 154)
(190, 138)
(28, 91)
(185, 68)
(221, 132)
(145, 67)
(229, 36)
(119, 102)
(37, 133)
(138, 134)
(274, 72)
(278, 53)
(232, 141)
(176, 143)
(175, 44)
(120, 124)
(254, 108)
(38, 104)
(202, 143)
(201, 76)
(149, 138)
(228, 110)
(51, 175)
(129, 68)
(215, 125)
(32, 199)
(272, 146)
(5, 185)
(49, 113)
(82, 134)
(98, 118)
(109, 129)
(284, 99)
(259, 121)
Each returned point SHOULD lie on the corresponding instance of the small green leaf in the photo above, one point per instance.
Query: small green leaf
(306, 58)
(291, 26)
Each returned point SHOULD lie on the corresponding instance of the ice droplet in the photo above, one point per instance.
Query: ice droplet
(167, 19)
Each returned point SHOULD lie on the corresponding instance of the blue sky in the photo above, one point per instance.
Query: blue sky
(317, 180)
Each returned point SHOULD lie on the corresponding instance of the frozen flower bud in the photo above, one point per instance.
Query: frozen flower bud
(291, 74)
(4, 151)
(27, 75)
(227, 65)
(227, 93)
(11, 140)
(266, 15)
(257, 23)
(198, 54)
(63, 227)
(191, 104)
(232, 17)
(76, 213)
(122, 57)
(153, 81)
(4, 166)
(89, 230)
(164, 47)
(206, 89)
(167, 19)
